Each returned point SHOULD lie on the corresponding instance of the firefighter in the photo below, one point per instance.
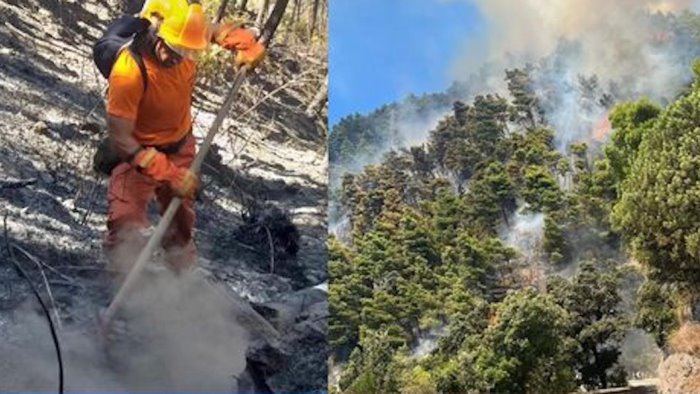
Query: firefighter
(150, 127)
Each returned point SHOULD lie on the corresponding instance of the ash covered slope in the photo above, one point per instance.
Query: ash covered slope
(267, 171)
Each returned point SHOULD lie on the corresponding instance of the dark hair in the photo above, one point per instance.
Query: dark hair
(145, 41)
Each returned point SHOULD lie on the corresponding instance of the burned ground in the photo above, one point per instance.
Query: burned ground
(51, 116)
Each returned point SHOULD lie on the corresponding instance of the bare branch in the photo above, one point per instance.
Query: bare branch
(16, 183)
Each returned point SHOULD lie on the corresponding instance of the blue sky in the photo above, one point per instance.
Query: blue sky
(381, 50)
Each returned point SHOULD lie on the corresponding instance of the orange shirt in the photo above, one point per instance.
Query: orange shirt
(163, 113)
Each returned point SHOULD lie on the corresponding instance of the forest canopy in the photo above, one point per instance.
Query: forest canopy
(498, 257)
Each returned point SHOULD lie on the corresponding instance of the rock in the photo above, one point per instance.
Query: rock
(284, 312)
(254, 286)
(296, 362)
(40, 127)
(267, 357)
(92, 127)
(307, 344)
(679, 373)
(46, 178)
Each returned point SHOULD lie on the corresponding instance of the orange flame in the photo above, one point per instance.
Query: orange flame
(661, 37)
(602, 128)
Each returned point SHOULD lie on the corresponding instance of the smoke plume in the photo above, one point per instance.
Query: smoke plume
(615, 35)
(625, 45)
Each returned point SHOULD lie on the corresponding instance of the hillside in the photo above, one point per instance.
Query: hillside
(540, 239)
(254, 313)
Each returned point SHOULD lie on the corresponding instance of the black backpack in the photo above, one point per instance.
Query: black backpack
(120, 35)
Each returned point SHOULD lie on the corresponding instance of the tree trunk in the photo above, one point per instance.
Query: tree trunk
(244, 3)
(262, 13)
(318, 99)
(324, 16)
(295, 13)
(312, 19)
(504, 213)
(223, 8)
(274, 20)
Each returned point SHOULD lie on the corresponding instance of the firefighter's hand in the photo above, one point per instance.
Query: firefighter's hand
(183, 182)
(157, 165)
(249, 52)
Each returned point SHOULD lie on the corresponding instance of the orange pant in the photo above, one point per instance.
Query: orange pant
(129, 194)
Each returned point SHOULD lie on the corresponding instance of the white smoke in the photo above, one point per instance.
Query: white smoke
(613, 34)
(406, 125)
(427, 342)
(640, 355)
(619, 41)
(415, 131)
(525, 232)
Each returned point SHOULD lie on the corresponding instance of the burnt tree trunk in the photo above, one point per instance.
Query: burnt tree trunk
(261, 14)
(313, 18)
(274, 20)
(295, 12)
(318, 99)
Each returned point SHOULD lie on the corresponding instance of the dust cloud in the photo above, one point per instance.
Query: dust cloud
(180, 335)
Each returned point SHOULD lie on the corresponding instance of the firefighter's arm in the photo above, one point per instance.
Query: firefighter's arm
(126, 89)
(149, 161)
(121, 134)
(249, 51)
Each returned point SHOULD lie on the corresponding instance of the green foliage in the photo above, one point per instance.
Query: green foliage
(658, 209)
(655, 313)
(426, 253)
(491, 197)
(630, 122)
(345, 293)
(486, 121)
(475, 261)
(596, 324)
(525, 109)
(555, 244)
(418, 381)
(448, 213)
(360, 139)
(463, 141)
(526, 350)
(534, 147)
(541, 190)
(470, 321)
(371, 370)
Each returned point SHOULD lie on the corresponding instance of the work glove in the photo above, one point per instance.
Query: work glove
(157, 165)
(249, 52)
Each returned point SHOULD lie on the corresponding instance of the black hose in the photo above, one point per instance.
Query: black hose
(54, 335)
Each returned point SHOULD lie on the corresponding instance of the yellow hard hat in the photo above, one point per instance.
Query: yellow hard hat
(156, 9)
(182, 25)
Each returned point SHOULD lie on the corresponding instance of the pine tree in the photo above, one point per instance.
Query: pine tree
(525, 109)
(597, 325)
(658, 208)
